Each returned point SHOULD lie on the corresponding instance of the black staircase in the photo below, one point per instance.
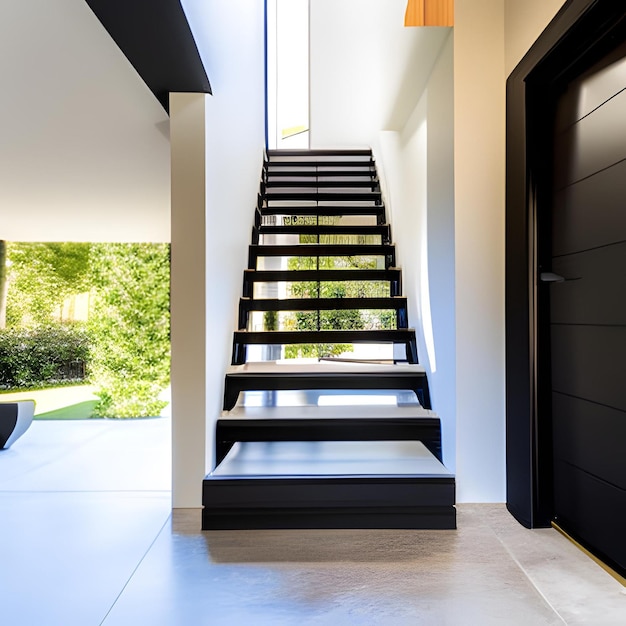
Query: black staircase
(310, 466)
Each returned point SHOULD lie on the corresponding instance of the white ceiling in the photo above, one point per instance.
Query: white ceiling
(84, 146)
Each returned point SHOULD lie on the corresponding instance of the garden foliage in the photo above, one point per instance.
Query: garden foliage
(41, 276)
(124, 348)
(43, 356)
(130, 328)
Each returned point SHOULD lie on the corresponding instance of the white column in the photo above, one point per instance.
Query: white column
(188, 288)
(479, 160)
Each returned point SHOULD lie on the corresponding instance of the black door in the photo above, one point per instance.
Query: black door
(587, 300)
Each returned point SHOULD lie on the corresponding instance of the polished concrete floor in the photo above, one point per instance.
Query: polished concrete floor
(87, 538)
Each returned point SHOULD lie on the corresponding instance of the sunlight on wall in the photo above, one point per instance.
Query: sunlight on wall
(425, 308)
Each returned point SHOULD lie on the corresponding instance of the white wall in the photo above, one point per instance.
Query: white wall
(84, 149)
(479, 153)
(441, 242)
(524, 22)
(490, 38)
(418, 170)
(231, 36)
(367, 71)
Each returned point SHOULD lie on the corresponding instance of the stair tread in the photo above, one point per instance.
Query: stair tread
(390, 273)
(325, 368)
(266, 375)
(322, 249)
(329, 229)
(318, 151)
(313, 304)
(282, 459)
(309, 412)
(262, 337)
(290, 194)
(319, 162)
(322, 210)
(320, 184)
(279, 170)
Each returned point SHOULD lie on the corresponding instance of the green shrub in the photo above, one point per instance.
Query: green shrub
(130, 328)
(43, 356)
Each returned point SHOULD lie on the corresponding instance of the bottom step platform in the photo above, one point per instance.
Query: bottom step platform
(329, 484)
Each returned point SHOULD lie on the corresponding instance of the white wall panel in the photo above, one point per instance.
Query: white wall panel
(479, 154)
(419, 182)
(230, 33)
(367, 70)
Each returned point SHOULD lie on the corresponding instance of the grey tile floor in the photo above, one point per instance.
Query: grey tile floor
(87, 537)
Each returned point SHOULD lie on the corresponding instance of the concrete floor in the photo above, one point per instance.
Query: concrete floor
(87, 537)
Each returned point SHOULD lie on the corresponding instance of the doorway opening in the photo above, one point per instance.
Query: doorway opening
(562, 462)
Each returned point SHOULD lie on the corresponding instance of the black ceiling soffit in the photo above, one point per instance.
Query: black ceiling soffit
(156, 38)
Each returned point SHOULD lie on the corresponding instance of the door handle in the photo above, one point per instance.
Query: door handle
(551, 277)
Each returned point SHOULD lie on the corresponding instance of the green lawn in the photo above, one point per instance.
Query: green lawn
(58, 403)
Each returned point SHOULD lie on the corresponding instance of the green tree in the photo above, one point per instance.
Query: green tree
(41, 277)
(130, 328)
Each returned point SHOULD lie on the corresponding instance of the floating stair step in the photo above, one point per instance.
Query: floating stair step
(321, 185)
(319, 159)
(384, 230)
(243, 338)
(268, 376)
(332, 152)
(399, 304)
(329, 484)
(393, 275)
(320, 162)
(322, 195)
(322, 250)
(328, 423)
(306, 171)
(378, 210)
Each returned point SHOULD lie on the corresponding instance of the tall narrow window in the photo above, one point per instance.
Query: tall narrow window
(288, 73)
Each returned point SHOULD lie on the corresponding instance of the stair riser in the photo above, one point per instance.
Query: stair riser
(383, 231)
(376, 518)
(322, 195)
(322, 185)
(322, 250)
(242, 339)
(246, 306)
(426, 430)
(315, 152)
(276, 171)
(393, 276)
(236, 383)
(295, 213)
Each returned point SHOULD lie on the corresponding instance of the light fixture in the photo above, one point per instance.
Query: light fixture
(429, 13)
